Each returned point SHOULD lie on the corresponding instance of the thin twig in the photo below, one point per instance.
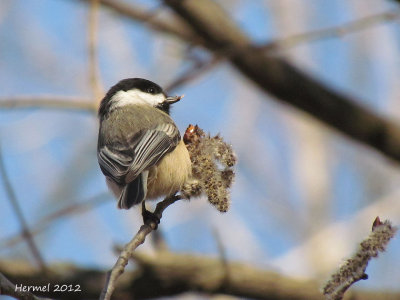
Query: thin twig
(94, 74)
(129, 248)
(48, 221)
(20, 216)
(49, 102)
(335, 31)
(8, 288)
(198, 69)
(353, 270)
(223, 258)
(282, 44)
(172, 26)
(279, 44)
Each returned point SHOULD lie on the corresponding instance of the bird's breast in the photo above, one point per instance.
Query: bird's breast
(170, 173)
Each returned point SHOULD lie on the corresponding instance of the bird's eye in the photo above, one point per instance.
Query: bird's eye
(150, 90)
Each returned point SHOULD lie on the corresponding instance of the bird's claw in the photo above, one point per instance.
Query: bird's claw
(150, 218)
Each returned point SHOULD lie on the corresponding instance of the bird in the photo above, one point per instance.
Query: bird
(140, 150)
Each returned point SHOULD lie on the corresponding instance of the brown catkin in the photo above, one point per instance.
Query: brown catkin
(354, 268)
(212, 167)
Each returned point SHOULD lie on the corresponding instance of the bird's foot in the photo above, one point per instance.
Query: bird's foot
(150, 218)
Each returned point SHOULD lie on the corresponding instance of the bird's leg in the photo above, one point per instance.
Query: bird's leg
(149, 217)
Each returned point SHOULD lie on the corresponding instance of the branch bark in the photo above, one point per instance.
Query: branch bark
(277, 77)
(128, 251)
(50, 102)
(168, 274)
(8, 288)
(174, 27)
(20, 215)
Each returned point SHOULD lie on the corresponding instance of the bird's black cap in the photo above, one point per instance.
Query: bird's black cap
(127, 84)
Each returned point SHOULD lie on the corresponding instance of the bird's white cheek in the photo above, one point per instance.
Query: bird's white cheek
(123, 98)
(150, 99)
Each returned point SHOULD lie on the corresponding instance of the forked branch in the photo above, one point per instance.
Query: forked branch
(127, 252)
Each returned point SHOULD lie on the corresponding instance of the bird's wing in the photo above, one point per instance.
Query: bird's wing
(124, 162)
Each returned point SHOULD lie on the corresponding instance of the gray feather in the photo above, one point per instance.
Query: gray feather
(124, 161)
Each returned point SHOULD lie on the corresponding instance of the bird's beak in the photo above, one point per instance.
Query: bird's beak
(173, 99)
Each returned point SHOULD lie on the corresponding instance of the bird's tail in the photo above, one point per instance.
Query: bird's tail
(134, 192)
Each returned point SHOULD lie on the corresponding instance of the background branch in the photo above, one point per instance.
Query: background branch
(334, 31)
(20, 216)
(273, 75)
(171, 274)
(50, 219)
(8, 288)
(49, 102)
(94, 74)
(172, 27)
(282, 80)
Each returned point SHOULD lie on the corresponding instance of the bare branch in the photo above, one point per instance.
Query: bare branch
(48, 221)
(8, 288)
(94, 74)
(276, 76)
(49, 102)
(335, 31)
(353, 269)
(277, 45)
(172, 27)
(129, 249)
(198, 69)
(170, 274)
(20, 216)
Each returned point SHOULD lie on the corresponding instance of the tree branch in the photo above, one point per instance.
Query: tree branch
(9, 289)
(94, 74)
(334, 31)
(20, 216)
(171, 274)
(171, 27)
(168, 274)
(129, 249)
(49, 102)
(286, 43)
(279, 78)
(353, 270)
(49, 220)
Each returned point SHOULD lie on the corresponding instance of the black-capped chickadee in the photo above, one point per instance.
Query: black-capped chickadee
(139, 148)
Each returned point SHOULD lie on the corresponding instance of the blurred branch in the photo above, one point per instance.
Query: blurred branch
(49, 102)
(279, 78)
(167, 274)
(129, 249)
(172, 27)
(286, 43)
(89, 281)
(217, 32)
(171, 274)
(135, 13)
(49, 220)
(335, 31)
(20, 216)
(8, 288)
(94, 74)
(199, 67)
(353, 269)
(223, 258)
